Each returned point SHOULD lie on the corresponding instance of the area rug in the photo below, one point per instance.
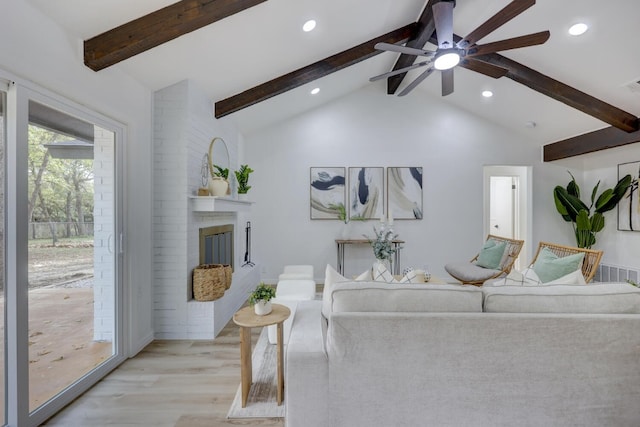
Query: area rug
(262, 400)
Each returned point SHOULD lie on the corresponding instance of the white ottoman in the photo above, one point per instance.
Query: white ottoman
(289, 292)
(296, 272)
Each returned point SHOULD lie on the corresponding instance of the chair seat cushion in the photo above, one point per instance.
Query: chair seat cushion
(469, 272)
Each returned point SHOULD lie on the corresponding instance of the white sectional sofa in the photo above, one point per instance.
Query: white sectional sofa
(448, 355)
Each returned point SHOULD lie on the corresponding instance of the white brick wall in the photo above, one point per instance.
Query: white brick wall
(184, 127)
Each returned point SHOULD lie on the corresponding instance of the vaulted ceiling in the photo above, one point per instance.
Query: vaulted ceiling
(258, 46)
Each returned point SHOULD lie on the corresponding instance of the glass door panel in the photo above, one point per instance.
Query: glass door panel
(71, 264)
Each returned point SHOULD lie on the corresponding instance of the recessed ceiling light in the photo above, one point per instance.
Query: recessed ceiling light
(578, 29)
(309, 25)
(315, 90)
(487, 93)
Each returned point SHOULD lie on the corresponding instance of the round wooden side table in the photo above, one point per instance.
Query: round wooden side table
(246, 318)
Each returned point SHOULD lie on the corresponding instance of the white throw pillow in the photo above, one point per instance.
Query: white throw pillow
(331, 277)
(575, 278)
(411, 277)
(365, 277)
(382, 274)
(528, 277)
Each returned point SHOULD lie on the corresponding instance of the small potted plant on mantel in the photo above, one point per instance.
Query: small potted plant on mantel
(242, 176)
(261, 297)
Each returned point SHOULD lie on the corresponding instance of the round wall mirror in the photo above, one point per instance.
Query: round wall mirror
(218, 155)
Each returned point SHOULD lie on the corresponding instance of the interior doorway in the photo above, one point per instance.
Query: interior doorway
(507, 205)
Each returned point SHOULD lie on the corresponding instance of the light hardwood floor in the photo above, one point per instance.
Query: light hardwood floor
(170, 383)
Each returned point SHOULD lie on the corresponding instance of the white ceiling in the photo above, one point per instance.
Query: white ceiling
(266, 41)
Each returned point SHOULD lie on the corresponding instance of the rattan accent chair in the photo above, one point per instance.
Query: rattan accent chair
(471, 274)
(591, 261)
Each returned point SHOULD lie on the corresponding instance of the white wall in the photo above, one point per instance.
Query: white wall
(369, 128)
(36, 49)
(621, 248)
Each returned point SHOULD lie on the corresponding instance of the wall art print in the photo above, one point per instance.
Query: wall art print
(366, 192)
(328, 193)
(629, 206)
(404, 192)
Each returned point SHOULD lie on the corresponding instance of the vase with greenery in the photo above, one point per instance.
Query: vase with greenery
(587, 220)
(260, 298)
(382, 244)
(242, 176)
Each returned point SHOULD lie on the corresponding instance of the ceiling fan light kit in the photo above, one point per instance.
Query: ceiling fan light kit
(447, 58)
(466, 52)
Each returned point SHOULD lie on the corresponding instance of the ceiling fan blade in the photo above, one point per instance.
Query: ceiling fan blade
(447, 82)
(399, 71)
(483, 68)
(513, 43)
(443, 18)
(416, 82)
(403, 49)
(510, 11)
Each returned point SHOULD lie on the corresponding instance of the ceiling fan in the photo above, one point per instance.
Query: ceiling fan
(465, 52)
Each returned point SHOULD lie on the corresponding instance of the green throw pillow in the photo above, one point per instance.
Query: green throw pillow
(549, 267)
(491, 254)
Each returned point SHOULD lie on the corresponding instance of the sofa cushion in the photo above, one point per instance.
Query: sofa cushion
(549, 266)
(387, 297)
(491, 254)
(611, 298)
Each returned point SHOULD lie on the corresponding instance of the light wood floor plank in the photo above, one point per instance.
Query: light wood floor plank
(170, 383)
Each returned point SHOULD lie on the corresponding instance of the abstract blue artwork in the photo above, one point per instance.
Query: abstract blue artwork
(404, 190)
(629, 206)
(327, 192)
(366, 189)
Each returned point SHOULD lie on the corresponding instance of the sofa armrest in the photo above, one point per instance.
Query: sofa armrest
(306, 371)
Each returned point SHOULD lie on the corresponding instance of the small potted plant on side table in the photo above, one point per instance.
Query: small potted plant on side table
(261, 297)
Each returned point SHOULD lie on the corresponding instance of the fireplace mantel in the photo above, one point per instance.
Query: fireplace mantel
(219, 204)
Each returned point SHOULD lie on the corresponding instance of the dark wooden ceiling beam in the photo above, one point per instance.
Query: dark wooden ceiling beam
(591, 142)
(310, 73)
(564, 93)
(426, 28)
(157, 28)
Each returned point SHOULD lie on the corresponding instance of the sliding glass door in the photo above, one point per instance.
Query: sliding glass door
(71, 213)
(61, 255)
(3, 343)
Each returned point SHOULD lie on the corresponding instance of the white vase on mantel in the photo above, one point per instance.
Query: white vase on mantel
(243, 196)
(262, 307)
(218, 186)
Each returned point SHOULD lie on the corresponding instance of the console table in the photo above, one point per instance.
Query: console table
(342, 243)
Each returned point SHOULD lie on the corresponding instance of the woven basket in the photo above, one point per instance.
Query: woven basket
(210, 281)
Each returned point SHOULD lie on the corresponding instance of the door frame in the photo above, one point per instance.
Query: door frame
(523, 228)
(17, 320)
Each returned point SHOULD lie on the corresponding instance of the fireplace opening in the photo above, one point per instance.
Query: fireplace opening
(216, 245)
